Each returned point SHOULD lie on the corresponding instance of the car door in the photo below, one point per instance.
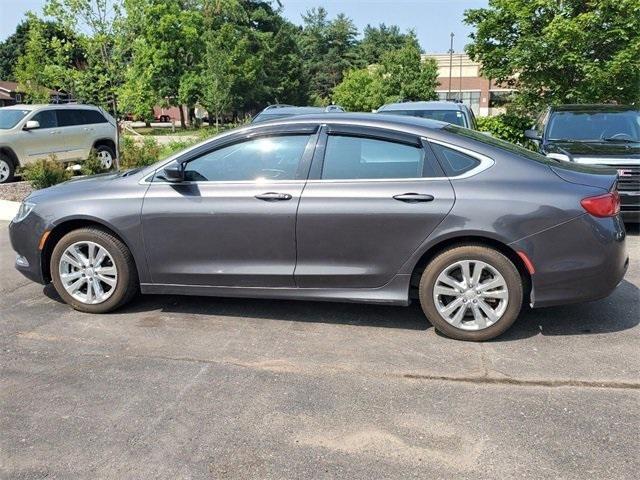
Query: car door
(232, 221)
(372, 197)
(72, 130)
(41, 142)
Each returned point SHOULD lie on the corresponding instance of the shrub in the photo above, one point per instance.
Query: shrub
(507, 126)
(133, 154)
(45, 173)
(92, 165)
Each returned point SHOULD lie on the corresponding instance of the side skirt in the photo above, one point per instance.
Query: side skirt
(396, 292)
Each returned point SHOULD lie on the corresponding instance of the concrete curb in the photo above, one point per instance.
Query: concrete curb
(8, 209)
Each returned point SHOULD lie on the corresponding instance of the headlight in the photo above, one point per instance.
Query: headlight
(23, 211)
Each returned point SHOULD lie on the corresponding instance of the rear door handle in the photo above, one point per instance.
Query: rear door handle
(413, 197)
(273, 196)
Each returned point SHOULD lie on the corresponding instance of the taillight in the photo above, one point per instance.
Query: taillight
(607, 205)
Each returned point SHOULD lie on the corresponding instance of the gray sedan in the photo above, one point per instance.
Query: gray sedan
(339, 207)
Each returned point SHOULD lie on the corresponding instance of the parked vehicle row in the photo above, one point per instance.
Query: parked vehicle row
(70, 132)
(343, 207)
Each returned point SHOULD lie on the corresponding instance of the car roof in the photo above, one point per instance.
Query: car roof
(594, 107)
(430, 105)
(291, 110)
(63, 106)
(366, 119)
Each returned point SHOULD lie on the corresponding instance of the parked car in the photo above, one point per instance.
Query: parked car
(274, 112)
(342, 207)
(607, 135)
(451, 112)
(32, 132)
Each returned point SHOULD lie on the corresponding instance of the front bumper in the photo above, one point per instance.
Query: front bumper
(578, 261)
(25, 238)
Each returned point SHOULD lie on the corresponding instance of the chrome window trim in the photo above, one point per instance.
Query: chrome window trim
(485, 163)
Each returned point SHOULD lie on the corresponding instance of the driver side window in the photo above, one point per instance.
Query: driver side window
(265, 158)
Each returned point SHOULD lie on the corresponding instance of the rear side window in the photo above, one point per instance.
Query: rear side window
(46, 119)
(69, 118)
(453, 162)
(352, 158)
(90, 117)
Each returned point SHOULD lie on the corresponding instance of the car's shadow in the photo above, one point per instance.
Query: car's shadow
(619, 312)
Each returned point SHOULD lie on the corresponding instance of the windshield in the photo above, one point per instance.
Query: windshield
(595, 126)
(455, 117)
(9, 118)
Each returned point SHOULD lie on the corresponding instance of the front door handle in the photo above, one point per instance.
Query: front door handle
(413, 197)
(273, 196)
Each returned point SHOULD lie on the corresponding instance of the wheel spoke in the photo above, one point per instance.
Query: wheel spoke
(106, 270)
(450, 281)
(75, 286)
(100, 256)
(97, 289)
(449, 309)
(466, 272)
(68, 277)
(495, 283)
(488, 311)
(501, 294)
(108, 280)
(66, 257)
(479, 319)
(446, 291)
(477, 273)
(456, 320)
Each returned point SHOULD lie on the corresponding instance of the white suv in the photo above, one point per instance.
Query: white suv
(70, 132)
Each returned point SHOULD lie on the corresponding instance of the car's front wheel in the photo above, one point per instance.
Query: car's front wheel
(471, 292)
(93, 271)
(106, 155)
(7, 169)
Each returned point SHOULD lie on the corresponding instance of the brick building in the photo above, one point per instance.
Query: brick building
(460, 79)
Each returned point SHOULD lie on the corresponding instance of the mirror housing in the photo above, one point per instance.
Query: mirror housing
(532, 134)
(31, 125)
(174, 172)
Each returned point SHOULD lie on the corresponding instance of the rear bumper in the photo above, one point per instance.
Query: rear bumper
(578, 261)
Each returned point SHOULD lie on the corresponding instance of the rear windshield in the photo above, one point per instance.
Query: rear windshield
(10, 118)
(595, 126)
(455, 117)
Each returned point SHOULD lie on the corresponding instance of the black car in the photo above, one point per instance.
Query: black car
(275, 112)
(607, 135)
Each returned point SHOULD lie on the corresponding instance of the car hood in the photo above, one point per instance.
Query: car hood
(78, 184)
(596, 149)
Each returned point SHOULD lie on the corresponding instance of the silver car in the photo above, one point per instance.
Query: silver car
(32, 132)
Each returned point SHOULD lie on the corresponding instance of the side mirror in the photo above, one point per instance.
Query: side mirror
(532, 134)
(31, 125)
(174, 173)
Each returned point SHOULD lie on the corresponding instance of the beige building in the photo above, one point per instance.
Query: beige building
(459, 78)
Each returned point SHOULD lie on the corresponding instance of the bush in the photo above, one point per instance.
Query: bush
(46, 173)
(92, 165)
(507, 126)
(134, 155)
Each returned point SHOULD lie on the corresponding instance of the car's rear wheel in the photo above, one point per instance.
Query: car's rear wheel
(7, 169)
(471, 292)
(93, 271)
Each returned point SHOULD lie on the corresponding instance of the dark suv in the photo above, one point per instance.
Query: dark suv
(607, 135)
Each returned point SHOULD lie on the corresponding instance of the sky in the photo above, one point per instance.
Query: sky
(432, 20)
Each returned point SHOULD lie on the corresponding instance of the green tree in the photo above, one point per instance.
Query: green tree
(361, 90)
(378, 40)
(329, 49)
(569, 51)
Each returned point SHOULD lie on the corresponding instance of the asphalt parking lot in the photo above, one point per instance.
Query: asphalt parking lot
(191, 388)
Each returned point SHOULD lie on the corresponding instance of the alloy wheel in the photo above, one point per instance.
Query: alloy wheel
(471, 295)
(88, 272)
(105, 159)
(5, 171)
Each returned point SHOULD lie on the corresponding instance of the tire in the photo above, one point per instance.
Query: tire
(118, 255)
(503, 301)
(7, 169)
(107, 156)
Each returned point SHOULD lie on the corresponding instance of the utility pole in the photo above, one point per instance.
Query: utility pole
(450, 65)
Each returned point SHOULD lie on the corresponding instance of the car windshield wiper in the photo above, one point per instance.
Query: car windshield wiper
(620, 140)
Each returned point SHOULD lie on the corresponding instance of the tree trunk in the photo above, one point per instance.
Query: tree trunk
(182, 122)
